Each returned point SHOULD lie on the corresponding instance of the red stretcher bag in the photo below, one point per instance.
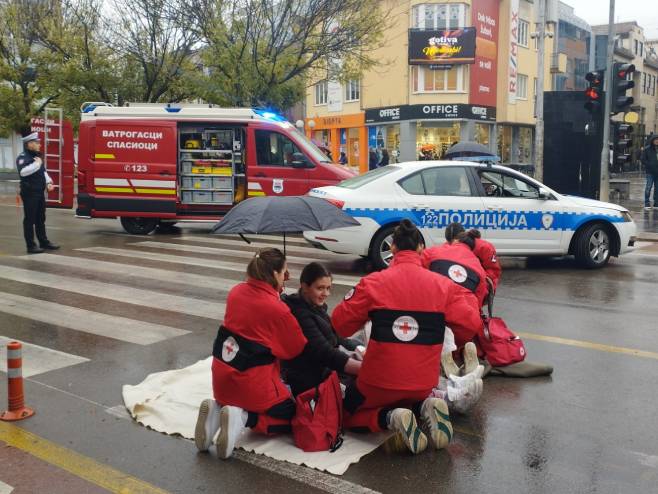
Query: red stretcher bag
(318, 421)
(500, 345)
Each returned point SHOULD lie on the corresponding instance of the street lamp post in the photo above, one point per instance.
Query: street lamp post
(604, 184)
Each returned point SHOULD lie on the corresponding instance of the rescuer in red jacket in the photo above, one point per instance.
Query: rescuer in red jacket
(483, 250)
(409, 307)
(257, 332)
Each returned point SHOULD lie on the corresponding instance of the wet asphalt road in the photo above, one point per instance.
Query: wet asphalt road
(591, 427)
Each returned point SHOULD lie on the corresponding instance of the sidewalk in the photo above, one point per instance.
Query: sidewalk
(647, 221)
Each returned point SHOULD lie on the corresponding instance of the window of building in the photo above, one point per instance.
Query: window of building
(321, 93)
(353, 90)
(274, 149)
(635, 46)
(523, 33)
(641, 49)
(522, 87)
(439, 15)
(425, 80)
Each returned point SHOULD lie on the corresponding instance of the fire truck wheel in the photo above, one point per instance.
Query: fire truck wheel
(139, 226)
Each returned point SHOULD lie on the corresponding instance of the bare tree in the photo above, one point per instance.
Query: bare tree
(158, 41)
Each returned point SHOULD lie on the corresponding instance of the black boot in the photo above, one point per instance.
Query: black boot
(49, 246)
(34, 250)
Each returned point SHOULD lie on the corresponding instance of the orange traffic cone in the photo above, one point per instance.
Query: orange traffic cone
(17, 409)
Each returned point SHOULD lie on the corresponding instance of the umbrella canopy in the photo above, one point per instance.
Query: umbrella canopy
(467, 148)
(287, 214)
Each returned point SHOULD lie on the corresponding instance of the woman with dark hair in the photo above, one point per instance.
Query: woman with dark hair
(486, 253)
(258, 331)
(321, 354)
(409, 307)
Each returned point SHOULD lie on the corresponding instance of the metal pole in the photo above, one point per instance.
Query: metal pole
(539, 110)
(604, 185)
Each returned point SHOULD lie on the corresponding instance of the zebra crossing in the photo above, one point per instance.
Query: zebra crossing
(84, 291)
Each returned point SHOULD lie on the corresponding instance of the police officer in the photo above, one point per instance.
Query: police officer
(34, 182)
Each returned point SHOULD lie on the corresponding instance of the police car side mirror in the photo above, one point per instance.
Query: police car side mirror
(544, 194)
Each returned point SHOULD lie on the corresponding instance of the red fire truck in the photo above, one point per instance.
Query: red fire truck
(158, 164)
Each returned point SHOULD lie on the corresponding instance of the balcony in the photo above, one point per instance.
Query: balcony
(558, 63)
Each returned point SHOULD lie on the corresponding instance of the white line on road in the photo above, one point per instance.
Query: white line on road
(313, 478)
(86, 321)
(215, 251)
(312, 251)
(5, 488)
(240, 267)
(38, 359)
(197, 280)
(119, 293)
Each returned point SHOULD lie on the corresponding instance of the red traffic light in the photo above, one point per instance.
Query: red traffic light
(592, 93)
(624, 69)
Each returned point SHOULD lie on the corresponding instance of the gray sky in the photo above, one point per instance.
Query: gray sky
(595, 12)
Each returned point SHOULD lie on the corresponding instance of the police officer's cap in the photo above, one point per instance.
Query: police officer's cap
(31, 137)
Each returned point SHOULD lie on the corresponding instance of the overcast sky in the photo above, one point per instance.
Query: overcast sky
(595, 12)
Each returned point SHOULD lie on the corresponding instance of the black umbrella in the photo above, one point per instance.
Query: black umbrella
(287, 214)
(467, 148)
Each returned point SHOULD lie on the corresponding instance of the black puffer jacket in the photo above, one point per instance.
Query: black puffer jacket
(649, 158)
(321, 354)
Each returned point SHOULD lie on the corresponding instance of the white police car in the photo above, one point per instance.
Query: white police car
(520, 216)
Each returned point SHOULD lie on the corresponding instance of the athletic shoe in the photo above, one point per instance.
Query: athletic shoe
(470, 358)
(232, 421)
(448, 365)
(436, 419)
(647, 208)
(207, 424)
(403, 423)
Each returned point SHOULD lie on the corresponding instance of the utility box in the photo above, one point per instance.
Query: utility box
(572, 144)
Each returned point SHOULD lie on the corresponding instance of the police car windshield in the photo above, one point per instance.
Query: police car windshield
(366, 178)
(309, 147)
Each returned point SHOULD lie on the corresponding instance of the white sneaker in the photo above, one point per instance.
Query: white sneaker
(470, 357)
(232, 421)
(207, 424)
(648, 208)
(436, 419)
(403, 422)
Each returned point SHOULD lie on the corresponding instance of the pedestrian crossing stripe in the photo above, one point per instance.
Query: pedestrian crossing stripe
(38, 359)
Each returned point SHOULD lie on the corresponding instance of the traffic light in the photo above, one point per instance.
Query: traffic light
(594, 93)
(622, 141)
(621, 84)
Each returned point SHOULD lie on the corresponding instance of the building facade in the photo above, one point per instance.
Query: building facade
(452, 71)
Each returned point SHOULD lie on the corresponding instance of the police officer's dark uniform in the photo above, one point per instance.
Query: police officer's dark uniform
(34, 179)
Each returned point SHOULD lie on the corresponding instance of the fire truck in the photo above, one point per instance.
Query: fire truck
(154, 165)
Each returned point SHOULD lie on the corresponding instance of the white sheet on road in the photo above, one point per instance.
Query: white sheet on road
(169, 402)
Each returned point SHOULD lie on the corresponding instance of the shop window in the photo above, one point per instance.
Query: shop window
(503, 185)
(425, 80)
(522, 87)
(439, 16)
(274, 149)
(523, 33)
(321, 93)
(353, 90)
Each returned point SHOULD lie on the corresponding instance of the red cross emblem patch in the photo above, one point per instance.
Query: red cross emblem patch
(405, 328)
(457, 273)
(230, 349)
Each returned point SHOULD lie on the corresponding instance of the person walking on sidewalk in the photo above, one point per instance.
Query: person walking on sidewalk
(649, 160)
(34, 182)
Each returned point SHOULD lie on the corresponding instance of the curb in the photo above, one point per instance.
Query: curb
(647, 237)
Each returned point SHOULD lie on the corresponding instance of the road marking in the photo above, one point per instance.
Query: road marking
(260, 245)
(313, 478)
(5, 488)
(38, 359)
(216, 251)
(118, 293)
(86, 321)
(240, 267)
(197, 280)
(79, 465)
(590, 345)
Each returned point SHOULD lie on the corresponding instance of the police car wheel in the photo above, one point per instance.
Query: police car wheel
(139, 226)
(380, 250)
(592, 247)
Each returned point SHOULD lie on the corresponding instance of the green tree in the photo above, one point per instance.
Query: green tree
(265, 52)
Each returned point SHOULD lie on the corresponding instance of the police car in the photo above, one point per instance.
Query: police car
(519, 215)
